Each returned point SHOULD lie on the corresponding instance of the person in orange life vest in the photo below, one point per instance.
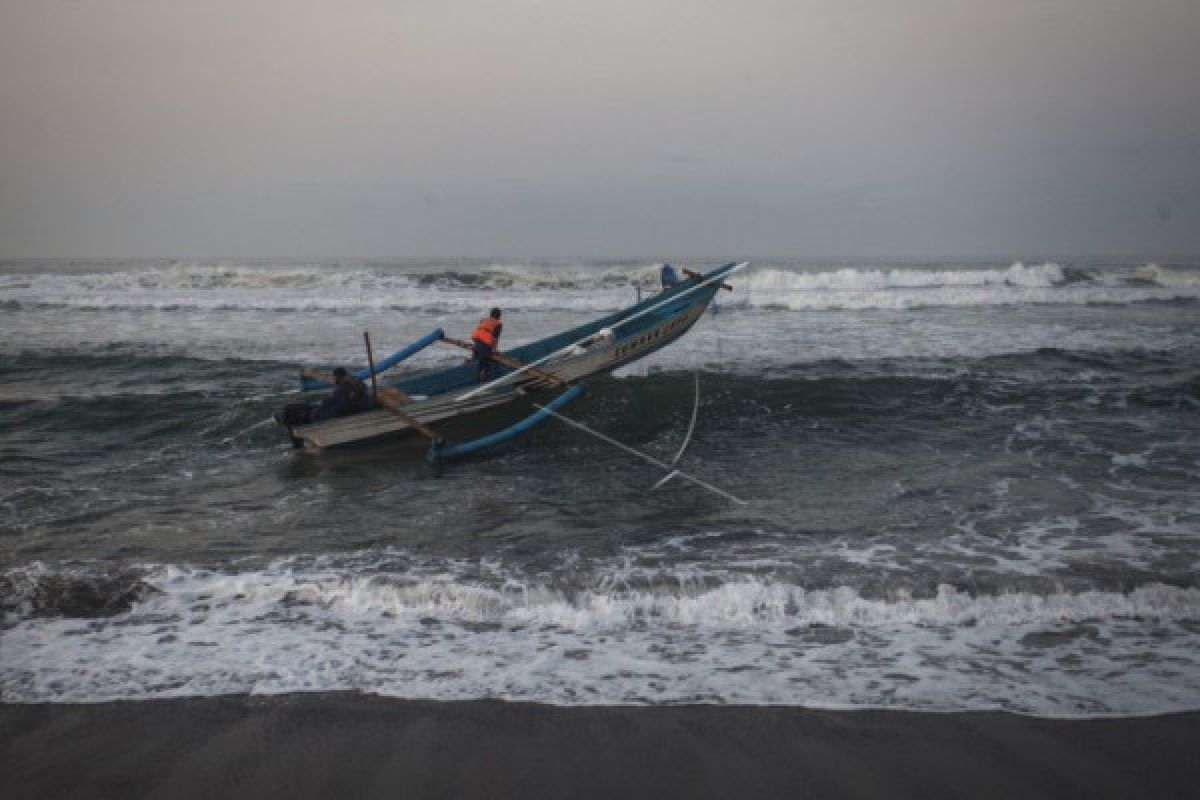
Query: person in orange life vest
(486, 340)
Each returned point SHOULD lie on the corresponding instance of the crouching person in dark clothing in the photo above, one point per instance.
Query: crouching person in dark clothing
(350, 395)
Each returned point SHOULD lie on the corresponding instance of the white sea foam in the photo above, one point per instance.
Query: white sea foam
(326, 277)
(901, 289)
(847, 279)
(1171, 276)
(430, 631)
(758, 342)
(327, 289)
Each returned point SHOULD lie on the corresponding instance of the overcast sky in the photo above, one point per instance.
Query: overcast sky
(557, 128)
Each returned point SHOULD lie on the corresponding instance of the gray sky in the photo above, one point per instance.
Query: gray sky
(553, 128)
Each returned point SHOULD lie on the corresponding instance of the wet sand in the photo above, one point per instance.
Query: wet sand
(343, 745)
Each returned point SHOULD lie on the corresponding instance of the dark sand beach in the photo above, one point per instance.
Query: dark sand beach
(341, 745)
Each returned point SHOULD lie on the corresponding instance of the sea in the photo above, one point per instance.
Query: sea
(965, 485)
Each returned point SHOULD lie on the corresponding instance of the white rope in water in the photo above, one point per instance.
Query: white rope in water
(503, 379)
(686, 439)
(648, 458)
(692, 424)
(663, 481)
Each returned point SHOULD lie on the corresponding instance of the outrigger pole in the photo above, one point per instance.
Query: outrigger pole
(308, 384)
(440, 451)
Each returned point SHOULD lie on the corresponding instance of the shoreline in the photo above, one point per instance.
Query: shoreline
(346, 744)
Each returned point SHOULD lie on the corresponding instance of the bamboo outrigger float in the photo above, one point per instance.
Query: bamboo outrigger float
(560, 361)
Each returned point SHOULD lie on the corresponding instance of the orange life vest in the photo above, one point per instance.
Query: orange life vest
(485, 331)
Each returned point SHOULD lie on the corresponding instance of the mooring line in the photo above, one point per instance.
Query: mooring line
(692, 424)
(687, 438)
(639, 454)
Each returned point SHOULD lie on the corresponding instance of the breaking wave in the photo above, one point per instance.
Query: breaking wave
(1018, 275)
(329, 277)
(430, 630)
(1171, 276)
(900, 289)
(330, 289)
(499, 597)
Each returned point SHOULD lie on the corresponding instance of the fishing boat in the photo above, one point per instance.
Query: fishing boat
(562, 362)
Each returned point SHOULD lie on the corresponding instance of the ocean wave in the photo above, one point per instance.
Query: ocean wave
(1185, 277)
(713, 600)
(909, 289)
(736, 604)
(958, 297)
(328, 278)
(602, 301)
(326, 290)
(224, 395)
(458, 630)
(847, 279)
(81, 592)
(407, 300)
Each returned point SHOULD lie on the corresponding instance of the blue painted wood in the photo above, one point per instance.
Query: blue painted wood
(308, 384)
(442, 452)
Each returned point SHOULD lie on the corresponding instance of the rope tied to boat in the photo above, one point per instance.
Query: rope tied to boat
(633, 451)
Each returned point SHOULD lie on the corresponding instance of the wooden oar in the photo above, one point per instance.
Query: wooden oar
(508, 362)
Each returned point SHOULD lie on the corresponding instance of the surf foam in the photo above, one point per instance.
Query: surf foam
(331, 289)
(423, 629)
